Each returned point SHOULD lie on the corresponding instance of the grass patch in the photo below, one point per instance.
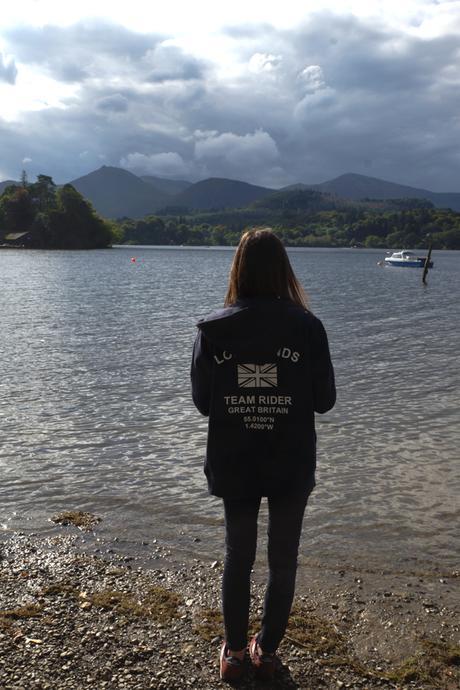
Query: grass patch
(76, 517)
(210, 625)
(63, 587)
(26, 611)
(157, 602)
(436, 665)
(19, 613)
(323, 640)
(304, 630)
(314, 633)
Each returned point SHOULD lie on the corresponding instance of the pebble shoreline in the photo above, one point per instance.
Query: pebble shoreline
(74, 620)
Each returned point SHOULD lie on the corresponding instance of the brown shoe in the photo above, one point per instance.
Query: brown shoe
(264, 664)
(231, 668)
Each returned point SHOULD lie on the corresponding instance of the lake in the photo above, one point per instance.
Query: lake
(96, 414)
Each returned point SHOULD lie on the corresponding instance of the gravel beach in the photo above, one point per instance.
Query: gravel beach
(71, 618)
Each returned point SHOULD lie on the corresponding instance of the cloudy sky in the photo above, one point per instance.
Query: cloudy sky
(268, 92)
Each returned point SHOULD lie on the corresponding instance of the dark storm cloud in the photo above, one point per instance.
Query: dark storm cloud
(71, 141)
(357, 54)
(350, 96)
(334, 95)
(116, 103)
(86, 48)
(171, 64)
(8, 70)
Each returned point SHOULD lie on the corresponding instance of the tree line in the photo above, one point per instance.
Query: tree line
(52, 217)
(365, 225)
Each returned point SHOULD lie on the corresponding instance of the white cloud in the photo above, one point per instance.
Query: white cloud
(207, 15)
(205, 133)
(168, 164)
(26, 160)
(238, 150)
(313, 78)
(264, 62)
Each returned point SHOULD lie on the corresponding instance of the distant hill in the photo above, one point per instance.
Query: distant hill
(115, 193)
(299, 198)
(354, 186)
(166, 186)
(6, 183)
(218, 192)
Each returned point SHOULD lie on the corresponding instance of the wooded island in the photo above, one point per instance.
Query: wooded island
(41, 215)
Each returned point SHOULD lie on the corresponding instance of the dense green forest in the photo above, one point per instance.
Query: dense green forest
(51, 217)
(306, 219)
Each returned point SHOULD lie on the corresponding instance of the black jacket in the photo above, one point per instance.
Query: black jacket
(260, 370)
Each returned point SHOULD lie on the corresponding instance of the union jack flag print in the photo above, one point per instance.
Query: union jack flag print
(257, 376)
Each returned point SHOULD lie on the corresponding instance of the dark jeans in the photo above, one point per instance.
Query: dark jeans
(284, 529)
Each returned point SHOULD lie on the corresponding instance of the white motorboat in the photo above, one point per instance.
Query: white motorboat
(406, 258)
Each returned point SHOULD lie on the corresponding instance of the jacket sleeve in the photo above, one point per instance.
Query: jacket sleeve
(201, 374)
(324, 394)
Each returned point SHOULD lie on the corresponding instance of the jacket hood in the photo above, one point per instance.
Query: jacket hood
(257, 324)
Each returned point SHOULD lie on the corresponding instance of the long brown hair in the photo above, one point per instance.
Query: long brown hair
(261, 268)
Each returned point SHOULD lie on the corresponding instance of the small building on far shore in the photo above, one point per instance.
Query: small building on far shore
(17, 239)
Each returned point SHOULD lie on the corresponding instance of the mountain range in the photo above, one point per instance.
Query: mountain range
(117, 193)
(353, 186)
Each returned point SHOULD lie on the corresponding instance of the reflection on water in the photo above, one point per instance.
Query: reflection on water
(95, 409)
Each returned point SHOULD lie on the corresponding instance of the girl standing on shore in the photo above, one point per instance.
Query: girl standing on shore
(261, 368)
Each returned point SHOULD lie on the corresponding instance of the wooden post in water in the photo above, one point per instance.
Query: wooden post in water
(427, 263)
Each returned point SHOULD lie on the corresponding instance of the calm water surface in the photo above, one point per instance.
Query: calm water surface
(95, 408)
